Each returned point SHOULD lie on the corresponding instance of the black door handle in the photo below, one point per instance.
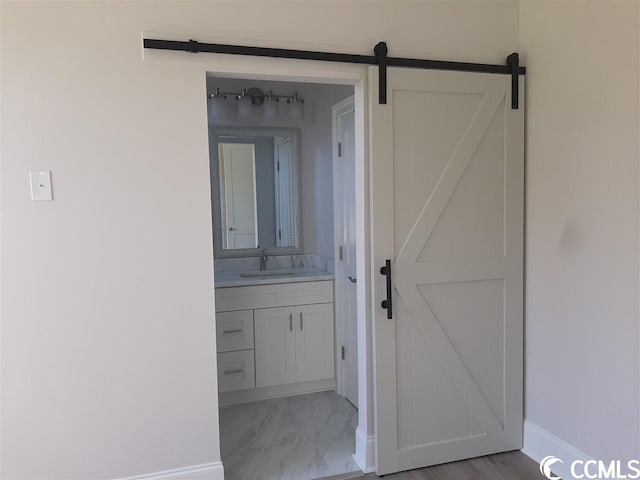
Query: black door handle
(387, 303)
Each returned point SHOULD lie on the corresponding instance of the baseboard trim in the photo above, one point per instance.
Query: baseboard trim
(205, 471)
(365, 451)
(538, 444)
(278, 391)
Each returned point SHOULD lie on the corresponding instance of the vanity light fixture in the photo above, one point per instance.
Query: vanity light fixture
(248, 99)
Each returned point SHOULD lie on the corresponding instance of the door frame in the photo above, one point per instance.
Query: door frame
(282, 69)
(339, 279)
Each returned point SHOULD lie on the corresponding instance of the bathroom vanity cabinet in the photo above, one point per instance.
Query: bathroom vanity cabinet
(274, 339)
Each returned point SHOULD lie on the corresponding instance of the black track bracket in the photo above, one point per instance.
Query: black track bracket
(380, 51)
(513, 61)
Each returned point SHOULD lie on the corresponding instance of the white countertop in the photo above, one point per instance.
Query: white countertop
(307, 274)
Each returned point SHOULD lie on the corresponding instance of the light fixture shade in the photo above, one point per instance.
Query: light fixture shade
(245, 107)
(295, 110)
(270, 108)
(220, 109)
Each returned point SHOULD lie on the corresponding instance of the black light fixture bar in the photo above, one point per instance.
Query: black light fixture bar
(379, 58)
(256, 93)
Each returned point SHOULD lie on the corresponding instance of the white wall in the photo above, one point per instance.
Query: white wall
(108, 365)
(108, 347)
(316, 161)
(582, 223)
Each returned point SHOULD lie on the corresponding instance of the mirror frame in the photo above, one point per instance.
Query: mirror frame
(215, 133)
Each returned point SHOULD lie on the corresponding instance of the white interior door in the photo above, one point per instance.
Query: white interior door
(345, 231)
(238, 195)
(283, 158)
(447, 193)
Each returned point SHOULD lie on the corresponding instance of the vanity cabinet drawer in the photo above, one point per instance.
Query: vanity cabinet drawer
(234, 331)
(236, 371)
(273, 295)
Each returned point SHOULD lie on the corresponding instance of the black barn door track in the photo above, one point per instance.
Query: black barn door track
(511, 67)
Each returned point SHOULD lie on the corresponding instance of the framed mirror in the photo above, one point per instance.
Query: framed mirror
(255, 191)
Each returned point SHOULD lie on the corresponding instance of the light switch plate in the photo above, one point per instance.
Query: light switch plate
(40, 185)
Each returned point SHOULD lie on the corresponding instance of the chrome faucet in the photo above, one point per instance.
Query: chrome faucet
(263, 260)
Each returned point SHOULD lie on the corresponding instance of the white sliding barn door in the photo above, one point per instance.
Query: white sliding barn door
(447, 210)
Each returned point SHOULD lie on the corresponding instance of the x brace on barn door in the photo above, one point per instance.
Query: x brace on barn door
(379, 58)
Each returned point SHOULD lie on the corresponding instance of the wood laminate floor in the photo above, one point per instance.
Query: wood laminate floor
(304, 437)
(502, 466)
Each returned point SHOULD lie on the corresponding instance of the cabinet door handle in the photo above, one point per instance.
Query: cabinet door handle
(352, 279)
(233, 372)
(291, 322)
(301, 324)
(235, 330)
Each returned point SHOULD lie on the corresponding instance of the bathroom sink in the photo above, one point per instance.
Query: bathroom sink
(268, 273)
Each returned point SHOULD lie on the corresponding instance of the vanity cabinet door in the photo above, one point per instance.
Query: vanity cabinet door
(275, 346)
(314, 342)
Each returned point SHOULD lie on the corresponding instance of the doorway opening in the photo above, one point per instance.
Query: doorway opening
(283, 192)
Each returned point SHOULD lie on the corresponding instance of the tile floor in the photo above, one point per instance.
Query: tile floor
(303, 437)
